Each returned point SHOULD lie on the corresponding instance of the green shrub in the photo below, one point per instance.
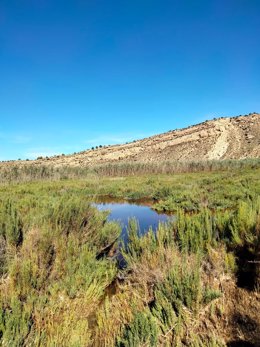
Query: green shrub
(141, 332)
(11, 224)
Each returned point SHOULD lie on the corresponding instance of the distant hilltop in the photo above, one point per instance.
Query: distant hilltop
(221, 138)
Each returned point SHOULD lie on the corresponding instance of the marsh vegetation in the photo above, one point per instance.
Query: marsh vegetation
(193, 282)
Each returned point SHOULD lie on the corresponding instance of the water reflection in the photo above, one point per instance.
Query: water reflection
(122, 212)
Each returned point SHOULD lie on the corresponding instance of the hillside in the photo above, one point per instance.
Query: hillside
(222, 138)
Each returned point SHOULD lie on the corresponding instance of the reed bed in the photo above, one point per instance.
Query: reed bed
(17, 172)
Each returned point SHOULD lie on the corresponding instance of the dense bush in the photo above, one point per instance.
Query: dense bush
(142, 331)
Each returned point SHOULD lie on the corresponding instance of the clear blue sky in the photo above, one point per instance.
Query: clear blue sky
(79, 73)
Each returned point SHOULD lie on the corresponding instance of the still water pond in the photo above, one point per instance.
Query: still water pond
(123, 211)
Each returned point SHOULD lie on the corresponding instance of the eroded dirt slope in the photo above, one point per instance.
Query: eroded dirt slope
(223, 138)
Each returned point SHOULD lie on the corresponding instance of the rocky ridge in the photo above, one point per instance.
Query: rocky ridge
(222, 138)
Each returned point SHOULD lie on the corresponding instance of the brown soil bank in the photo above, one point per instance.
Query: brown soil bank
(223, 138)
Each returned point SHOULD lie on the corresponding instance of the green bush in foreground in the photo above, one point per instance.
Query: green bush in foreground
(143, 330)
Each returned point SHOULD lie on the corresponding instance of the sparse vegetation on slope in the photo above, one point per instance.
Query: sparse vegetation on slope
(218, 139)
